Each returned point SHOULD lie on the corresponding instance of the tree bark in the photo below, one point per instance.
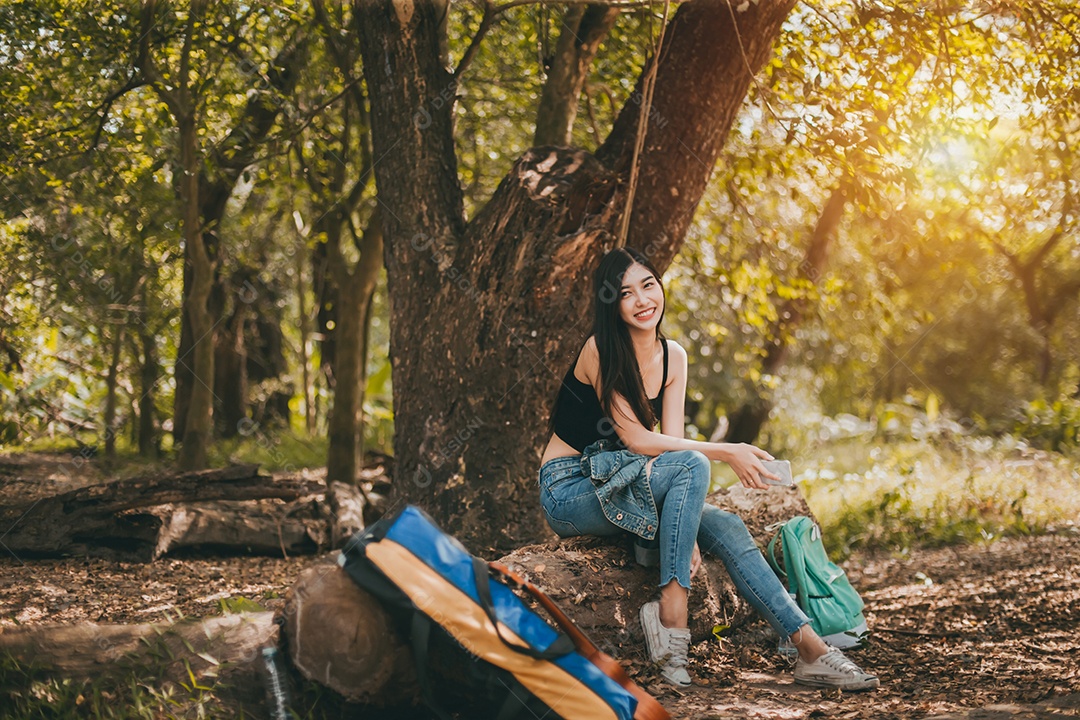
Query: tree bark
(230, 372)
(196, 309)
(148, 377)
(236, 527)
(486, 317)
(746, 422)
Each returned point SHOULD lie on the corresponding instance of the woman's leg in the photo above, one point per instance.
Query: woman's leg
(679, 482)
(724, 535)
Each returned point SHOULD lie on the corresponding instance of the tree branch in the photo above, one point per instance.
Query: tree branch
(146, 64)
(487, 21)
(341, 57)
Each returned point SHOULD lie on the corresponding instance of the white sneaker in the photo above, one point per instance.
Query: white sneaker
(834, 670)
(666, 646)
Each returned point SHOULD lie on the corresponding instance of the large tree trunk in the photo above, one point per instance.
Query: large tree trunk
(485, 318)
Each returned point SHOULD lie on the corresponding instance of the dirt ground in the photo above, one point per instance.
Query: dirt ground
(985, 632)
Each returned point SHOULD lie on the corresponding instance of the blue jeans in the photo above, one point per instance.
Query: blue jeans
(679, 481)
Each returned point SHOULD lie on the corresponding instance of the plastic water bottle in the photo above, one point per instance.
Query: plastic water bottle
(647, 552)
(787, 649)
(277, 684)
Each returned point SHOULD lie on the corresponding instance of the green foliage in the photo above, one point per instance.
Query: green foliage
(930, 492)
(951, 128)
(950, 187)
(239, 604)
(1055, 425)
(274, 451)
(30, 691)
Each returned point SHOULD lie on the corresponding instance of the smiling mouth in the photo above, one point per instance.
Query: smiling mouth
(645, 314)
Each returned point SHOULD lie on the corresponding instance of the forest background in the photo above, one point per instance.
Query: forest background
(240, 231)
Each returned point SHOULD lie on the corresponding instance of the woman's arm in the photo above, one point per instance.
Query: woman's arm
(673, 416)
(744, 459)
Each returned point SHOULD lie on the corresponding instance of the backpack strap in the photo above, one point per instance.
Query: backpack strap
(513, 705)
(648, 708)
(419, 635)
(772, 554)
(557, 649)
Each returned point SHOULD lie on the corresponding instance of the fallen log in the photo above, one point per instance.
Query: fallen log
(236, 526)
(339, 636)
(346, 504)
(125, 520)
(221, 652)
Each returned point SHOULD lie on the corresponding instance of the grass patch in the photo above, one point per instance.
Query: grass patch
(925, 493)
(32, 691)
(284, 451)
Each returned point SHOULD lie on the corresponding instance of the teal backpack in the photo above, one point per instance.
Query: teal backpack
(818, 585)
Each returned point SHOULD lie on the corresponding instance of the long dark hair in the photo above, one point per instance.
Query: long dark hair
(619, 370)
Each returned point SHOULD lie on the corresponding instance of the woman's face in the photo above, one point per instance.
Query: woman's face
(641, 301)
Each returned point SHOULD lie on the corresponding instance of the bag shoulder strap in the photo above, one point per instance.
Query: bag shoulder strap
(557, 649)
(648, 708)
(771, 556)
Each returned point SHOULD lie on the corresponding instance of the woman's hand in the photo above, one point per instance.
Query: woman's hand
(695, 561)
(745, 460)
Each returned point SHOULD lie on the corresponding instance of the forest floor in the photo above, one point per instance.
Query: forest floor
(989, 631)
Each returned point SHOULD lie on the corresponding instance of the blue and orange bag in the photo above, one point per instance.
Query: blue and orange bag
(448, 602)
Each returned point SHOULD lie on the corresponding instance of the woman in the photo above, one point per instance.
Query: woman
(606, 471)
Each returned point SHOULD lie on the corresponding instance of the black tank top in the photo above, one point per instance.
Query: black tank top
(579, 419)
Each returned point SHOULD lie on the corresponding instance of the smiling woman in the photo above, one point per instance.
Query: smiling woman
(607, 471)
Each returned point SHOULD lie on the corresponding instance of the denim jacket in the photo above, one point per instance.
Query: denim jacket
(622, 486)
